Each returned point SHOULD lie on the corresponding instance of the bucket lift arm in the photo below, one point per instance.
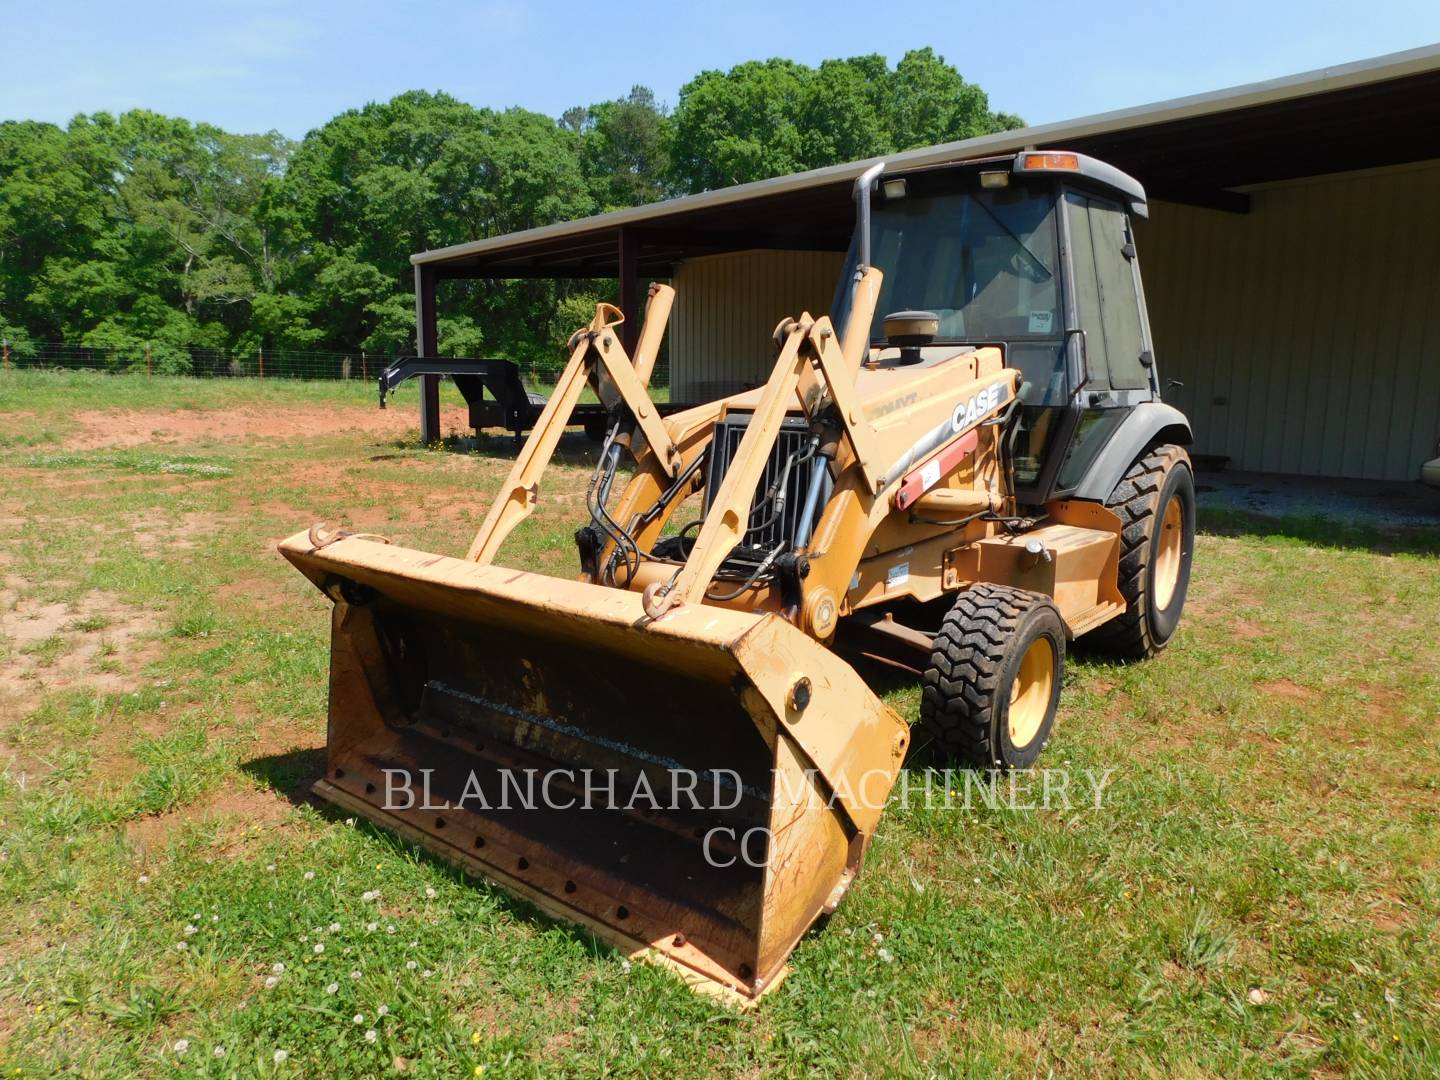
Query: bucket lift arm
(592, 347)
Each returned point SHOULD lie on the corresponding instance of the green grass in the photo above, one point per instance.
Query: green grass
(58, 392)
(1258, 895)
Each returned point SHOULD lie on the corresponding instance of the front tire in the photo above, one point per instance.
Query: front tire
(990, 693)
(1156, 504)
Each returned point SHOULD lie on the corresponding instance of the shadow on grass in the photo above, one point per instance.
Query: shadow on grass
(883, 679)
(879, 676)
(575, 447)
(1321, 531)
(290, 774)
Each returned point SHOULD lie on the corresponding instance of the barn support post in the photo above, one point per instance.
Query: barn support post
(628, 251)
(427, 343)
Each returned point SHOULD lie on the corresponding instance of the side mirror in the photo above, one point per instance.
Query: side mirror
(911, 331)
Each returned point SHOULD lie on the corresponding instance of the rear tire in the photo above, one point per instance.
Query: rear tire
(1156, 504)
(990, 693)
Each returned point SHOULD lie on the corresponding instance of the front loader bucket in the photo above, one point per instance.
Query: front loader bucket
(702, 785)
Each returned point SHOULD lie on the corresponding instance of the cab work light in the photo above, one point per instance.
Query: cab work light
(994, 179)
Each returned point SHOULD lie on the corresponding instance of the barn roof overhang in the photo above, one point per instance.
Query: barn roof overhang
(1203, 150)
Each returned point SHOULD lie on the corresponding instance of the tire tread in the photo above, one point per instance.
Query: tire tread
(959, 687)
(1127, 636)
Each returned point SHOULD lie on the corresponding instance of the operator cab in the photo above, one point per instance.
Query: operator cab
(1032, 252)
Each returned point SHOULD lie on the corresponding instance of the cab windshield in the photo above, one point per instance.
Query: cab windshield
(984, 261)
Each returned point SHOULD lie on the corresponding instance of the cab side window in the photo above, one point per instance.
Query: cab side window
(1105, 294)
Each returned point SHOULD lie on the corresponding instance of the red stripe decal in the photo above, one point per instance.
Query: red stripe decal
(922, 478)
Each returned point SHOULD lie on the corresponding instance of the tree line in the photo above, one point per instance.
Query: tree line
(139, 231)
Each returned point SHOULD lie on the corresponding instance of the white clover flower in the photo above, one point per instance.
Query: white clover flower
(309, 875)
(334, 927)
(359, 1018)
(181, 1045)
(383, 1010)
(270, 868)
(214, 918)
(371, 1035)
(372, 926)
(390, 929)
(272, 981)
(350, 821)
(318, 931)
(318, 949)
(884, 955)
(219, 1052)
(143, 879)
(277, 968)
(182, 945)
(354, 974)
(426, 973)
(414, 944)
(429, 893)
(190, 929)
(878, 938)
(370, 894)
(411, 965)
(624, 965)
(304, 938)
(333, 988)
(280, 1056)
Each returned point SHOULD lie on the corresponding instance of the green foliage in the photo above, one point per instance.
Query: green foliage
(767, 118)
(17, 339)
(140, 231)
(624, 149)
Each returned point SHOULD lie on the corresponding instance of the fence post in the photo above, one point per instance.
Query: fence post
(261, 353)
(364, 371)
(148, 371)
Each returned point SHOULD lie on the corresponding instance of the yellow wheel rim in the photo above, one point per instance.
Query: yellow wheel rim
(1168, 554)
(1031, 691)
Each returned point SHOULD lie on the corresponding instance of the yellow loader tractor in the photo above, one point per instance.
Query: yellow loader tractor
(960, 469)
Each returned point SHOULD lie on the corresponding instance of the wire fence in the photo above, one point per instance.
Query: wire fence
(147, 358)
(152, 359)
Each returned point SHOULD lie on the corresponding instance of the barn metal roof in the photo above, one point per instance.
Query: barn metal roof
(1204, 149)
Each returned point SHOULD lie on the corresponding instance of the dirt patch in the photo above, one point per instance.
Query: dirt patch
(253, 592)
(1384, 705)
(97, 641)
(1286, 690)
(153, 535)
(121, 428)
(235, 810)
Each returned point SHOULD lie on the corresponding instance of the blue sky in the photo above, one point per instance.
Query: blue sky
(290, 66)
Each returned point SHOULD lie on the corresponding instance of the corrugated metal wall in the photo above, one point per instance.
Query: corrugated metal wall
(1307, 332)
(726, 308)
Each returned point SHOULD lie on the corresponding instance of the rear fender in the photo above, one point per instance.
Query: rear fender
(1149, 423)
